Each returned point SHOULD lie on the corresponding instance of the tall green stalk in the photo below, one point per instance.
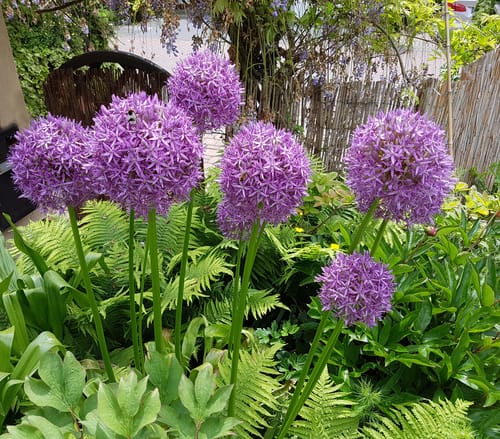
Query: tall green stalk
(303, 392)
(236, 290)
(356, 238)
(90, 294)
(378, 238)
(182, 278)
(305, 370)
(131, 290)
(155, 280)
(237, 323)
(140, 304)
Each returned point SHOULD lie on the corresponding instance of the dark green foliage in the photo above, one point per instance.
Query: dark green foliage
(437, 420)
(42, 42)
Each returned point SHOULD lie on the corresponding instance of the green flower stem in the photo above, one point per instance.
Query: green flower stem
(362, 227)
(90, 294)
(155, 280)
(378, 238)
(236, 289)
(131, 289)
(237, 323)
(182, 278)
(141, 301)
(305, 370)
(318, 368)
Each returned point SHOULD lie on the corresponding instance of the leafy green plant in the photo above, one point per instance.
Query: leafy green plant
(327, 413)
(440, 420)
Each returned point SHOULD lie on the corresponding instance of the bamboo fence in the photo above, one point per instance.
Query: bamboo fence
(328, 114)
(476, 114)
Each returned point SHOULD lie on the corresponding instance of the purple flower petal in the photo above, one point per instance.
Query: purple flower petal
(264, 177)
(208, 89)
(147, 154)
(49, 163)
(357, 288)
(400, 158)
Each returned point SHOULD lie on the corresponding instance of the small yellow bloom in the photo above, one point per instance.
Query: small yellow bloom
(334, 247)
(299, 229)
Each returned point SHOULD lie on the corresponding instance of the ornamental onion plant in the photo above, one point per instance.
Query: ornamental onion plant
(399, 170)
(147, 156)
(50, 165)
(207, 87)
(264, 176)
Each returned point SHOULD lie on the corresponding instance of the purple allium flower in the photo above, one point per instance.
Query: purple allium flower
(208, 88)
(357, 288)
(49, 163)
(400, 158)
(264, 177)
(147, 153)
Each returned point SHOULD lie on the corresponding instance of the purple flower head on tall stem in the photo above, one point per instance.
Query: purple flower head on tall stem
(147, 154)
(356, 288)
(401, 159)
(264, 177)
(49, 163)
(207, 88)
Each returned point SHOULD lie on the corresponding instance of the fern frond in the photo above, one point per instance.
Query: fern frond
(326, 413)
(52, 238)
(437, 420)
(260, 302)
(103, 225)
(255, 390)
(207, 270)
(171, 230)
(218, 311)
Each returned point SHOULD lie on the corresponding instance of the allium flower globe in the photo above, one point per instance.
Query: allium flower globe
(49, 163)
(264, 177)
(356, 288)
(147, 153)
(400, 158)
(208, 89)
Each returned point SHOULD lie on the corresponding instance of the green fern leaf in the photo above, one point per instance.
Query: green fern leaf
(52, 238)
(218, 311)
(103, 225)
(255, 390)
(326, 413)
(260, 302)
(433, 420)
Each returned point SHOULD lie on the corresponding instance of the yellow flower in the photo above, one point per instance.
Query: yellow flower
(334, 246)
(299, 229)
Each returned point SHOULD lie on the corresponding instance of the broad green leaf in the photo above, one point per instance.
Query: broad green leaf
(410, 359)
(24, 431)
(48, 430)
(130, 393)
(61, 383)
(55, 287)
(8, 269)
(109, 411)
(25, 248)
(487, 295)
(16, 317)
(218, 427)
(187, 396)
(148, 411)
(189, 338)
(424, 315)
(164, 373)
(6, 341)
(204, 385)
(30, 358)
(219, 400)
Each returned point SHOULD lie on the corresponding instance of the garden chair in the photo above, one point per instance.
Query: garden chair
(79, 87)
